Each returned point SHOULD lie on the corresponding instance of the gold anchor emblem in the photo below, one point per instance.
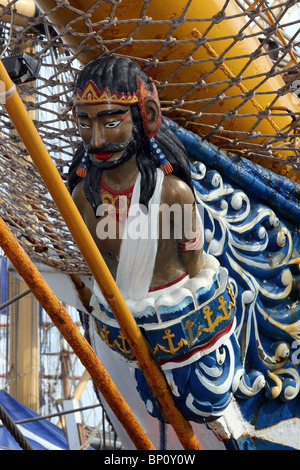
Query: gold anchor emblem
(222, 307)
(207, 315)
(172, 350)
(122, 348)
(104, 334)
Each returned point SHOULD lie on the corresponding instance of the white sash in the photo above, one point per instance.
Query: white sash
(139, 244)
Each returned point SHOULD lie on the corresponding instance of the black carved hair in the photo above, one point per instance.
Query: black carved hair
(119, 74)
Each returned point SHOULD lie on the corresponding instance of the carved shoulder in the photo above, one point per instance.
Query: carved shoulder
(176, 191)
(80, 199)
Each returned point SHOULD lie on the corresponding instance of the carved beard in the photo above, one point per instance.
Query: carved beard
(129, 149)
(95, 169)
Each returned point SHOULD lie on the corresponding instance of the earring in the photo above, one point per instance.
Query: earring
(144, 94)
(161, 158)
(82, 169)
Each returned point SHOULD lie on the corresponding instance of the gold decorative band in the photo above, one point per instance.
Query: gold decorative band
(183, 334)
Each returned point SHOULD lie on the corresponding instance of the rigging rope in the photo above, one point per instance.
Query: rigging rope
(14, 430)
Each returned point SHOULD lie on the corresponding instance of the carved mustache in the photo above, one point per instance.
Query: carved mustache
(129, 151)
(108, 148)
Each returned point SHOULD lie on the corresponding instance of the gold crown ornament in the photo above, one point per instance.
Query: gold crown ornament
(91, 95)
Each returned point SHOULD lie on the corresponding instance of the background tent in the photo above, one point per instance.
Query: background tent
(41, 435)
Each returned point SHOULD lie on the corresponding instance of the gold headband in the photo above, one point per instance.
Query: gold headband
(91, 95)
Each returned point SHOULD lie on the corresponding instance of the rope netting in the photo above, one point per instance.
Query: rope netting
(231, 77)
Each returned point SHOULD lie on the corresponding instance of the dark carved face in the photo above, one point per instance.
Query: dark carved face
(106, 130)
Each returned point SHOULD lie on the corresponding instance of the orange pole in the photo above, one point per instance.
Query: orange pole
(40, 156)
(71, 333)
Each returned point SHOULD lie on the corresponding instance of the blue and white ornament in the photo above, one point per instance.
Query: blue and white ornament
(161, 158)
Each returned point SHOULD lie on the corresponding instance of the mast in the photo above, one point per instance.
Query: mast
(24, 351)
(24, 362)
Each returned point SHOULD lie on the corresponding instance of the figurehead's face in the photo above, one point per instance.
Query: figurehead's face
(105, 121)
(106, 129)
